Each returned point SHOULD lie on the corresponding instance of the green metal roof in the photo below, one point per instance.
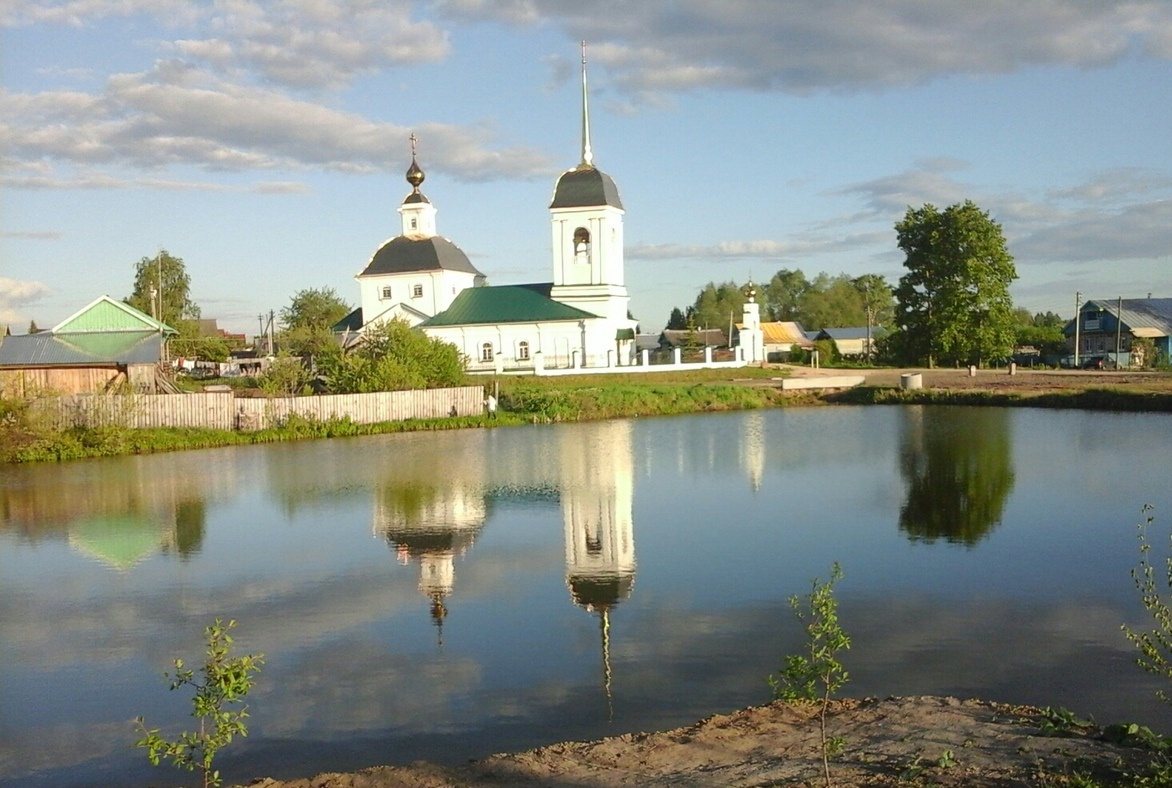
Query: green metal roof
(505, 304)
(107, 314)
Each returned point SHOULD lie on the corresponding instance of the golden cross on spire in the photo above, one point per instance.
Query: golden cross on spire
(413, 139)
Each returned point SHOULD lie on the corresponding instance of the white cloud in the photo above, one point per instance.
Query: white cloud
(304, 44)
(801, 46)
(315, 43)
(1137, 232)
(16, 294)
(77, 13)
(809, 246)
(34, 235)
(176, 114)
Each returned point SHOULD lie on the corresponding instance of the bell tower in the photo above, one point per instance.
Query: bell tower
(587, 224)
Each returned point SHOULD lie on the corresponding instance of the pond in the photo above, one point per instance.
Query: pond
(449, 595)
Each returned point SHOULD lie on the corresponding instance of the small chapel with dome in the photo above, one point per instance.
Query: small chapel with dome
(580, 319)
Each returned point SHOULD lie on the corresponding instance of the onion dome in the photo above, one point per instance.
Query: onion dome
(415, 177)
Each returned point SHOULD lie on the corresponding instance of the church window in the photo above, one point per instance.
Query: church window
(417, 291)
(486, 353)
(581, 245)
(522, 351)
(386, 292)
(414, 223)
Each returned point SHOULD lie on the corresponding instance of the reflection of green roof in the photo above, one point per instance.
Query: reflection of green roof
(120, 541)
(505, 304)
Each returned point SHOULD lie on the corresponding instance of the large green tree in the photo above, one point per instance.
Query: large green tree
(306, 322)
(784, 295)
(953, 304)
(162, 289)
(717, 305)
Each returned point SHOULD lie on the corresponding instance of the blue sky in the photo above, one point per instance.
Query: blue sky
(265, 143)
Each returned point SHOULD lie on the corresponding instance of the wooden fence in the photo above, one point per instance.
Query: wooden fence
(222, 410)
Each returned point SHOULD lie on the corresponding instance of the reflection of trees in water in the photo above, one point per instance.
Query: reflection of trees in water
(190, 520)
(958, 466)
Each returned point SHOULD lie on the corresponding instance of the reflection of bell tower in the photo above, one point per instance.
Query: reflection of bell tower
(753, 448)
(596, 488)
(431, 525)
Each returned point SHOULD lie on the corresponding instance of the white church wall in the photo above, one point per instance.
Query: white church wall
(428, 292)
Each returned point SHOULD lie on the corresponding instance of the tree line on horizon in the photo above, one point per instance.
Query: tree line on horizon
(952, 306)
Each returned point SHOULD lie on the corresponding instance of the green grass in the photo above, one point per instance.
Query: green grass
(529, 400)
(1112, 399)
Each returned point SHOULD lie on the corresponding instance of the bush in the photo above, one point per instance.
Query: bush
(225, 681)
(285, 377)
(394, 357)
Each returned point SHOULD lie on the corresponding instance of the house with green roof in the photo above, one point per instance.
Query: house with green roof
(579, 319)
(104, 345)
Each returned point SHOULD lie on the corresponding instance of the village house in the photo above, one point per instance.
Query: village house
(1105, 328)
(105, 345)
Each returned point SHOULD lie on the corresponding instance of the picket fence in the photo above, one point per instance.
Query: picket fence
(222, 410)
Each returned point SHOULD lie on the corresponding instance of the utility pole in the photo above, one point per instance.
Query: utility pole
(159, 267)
(1077, 323)
(1118, 330)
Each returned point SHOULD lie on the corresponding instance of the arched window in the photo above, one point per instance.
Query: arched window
(581, 245)
(486, 353)
(417, 291)
(414, 223)
(522, 351)
(386, 292)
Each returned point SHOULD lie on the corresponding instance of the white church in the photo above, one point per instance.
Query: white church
(579, 320)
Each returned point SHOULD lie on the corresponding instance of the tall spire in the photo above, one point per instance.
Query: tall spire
(587, 154)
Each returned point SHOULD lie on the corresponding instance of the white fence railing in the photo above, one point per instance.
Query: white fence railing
(222, 410)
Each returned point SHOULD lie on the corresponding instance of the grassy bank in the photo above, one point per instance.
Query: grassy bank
(1112, 399)
(528, 400)
(522, 401)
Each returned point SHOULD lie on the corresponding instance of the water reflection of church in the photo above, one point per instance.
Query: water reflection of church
(591, 480)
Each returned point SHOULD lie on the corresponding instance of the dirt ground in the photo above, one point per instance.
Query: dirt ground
(889, 742)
